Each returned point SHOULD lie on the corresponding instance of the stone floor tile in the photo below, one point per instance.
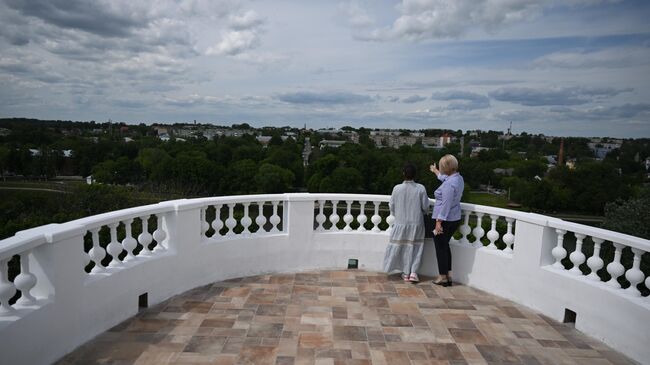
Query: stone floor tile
(350, 333)
(340, 317)
(257, 355)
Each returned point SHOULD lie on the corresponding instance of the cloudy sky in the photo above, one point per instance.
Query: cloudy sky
(559, 67)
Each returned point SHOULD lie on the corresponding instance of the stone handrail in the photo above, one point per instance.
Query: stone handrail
(80, 278)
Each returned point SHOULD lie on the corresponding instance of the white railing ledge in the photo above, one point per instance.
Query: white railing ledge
(20, 243)
(625, 239)
(338, 197)
(523, 216)
(187, 204)
(124, 214)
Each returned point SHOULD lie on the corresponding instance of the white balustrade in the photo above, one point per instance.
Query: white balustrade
(42, 277)
(246, 221)
(509, 237)
(390, 220)
(478, 231)
(97, 253)
(145, 237)
(275, 218)
(217, 223)
(7, 288)
(465, 229)
(577, 257)
(334, 217)
(348, 218)
(25, 281)
(361, 218)
(129, 243)
(265, 224)
(159, 234)
(231, 222)
(615, 268)
(320, 217)
(376, 218)
(205, 226)
(492, 234)
(114, 248)
(559, 252)
(595, 263)
(634, 275)
(260, 220)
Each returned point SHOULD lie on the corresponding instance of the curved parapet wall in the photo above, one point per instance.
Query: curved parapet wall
(80, 278)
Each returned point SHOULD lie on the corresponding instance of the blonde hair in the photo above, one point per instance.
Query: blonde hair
(448, 164)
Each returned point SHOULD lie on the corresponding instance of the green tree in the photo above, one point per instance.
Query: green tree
(630, 216)
(273, 179)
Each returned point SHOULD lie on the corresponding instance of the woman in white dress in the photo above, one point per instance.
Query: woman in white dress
(408, 204)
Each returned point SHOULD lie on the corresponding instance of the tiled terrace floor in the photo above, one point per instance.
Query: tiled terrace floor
(340, 317)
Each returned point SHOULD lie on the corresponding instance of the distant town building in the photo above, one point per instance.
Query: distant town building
(396, 139)
(502, 171)
(571, 163)
(331, 143)
(602, 147)
(476, 150)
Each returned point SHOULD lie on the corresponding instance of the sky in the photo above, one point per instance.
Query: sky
(558, 67)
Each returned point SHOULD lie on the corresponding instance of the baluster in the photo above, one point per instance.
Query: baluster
(246, 221)
(634, 275)
(205, 226)
(231, 222)
(348, 218)
(615, 268)
(7, 288)
(114, 247)
(595, 263)
(217, 223)
(129, 243)
(558, 251)
(577, 257)
(478, 231)
(320, 217)
(260, 220)
(493, 234)
(334, 217)
(25, 281)
(376, 218)
(509, 238)
(361, 218)
(465, 229)
(647, 285)
(275, 218)
(390, 220)
(97, 252)
(159, 234)
(145, 238)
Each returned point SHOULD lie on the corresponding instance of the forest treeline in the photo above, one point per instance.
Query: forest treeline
(135, 159)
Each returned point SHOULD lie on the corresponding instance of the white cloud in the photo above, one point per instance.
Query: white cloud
(553, 96)
(442, 19)
(247, 20)
(243, 35)
(236, 42)
(615, 57)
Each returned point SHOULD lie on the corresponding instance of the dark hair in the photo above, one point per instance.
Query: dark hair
(409, 171)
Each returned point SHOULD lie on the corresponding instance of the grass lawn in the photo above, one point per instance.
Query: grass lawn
(487, 199)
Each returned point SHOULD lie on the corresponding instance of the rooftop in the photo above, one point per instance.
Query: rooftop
(340, 317)
(63, 285)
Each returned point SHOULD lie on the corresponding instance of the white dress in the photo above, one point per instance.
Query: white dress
(408, 204)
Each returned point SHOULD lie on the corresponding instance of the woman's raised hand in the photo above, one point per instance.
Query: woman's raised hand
(434, 169)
